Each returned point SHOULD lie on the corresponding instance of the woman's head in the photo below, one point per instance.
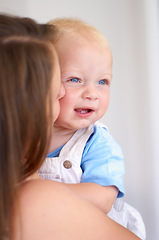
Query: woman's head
(28, 65)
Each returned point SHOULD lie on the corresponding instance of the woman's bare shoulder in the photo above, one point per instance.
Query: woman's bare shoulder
(38, 188)
(40, 197)
(36, 206)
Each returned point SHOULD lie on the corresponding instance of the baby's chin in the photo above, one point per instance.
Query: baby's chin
(74, 125)
(83, 123)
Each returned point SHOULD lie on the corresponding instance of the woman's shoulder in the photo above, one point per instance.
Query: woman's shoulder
(35, 195)
(36, 206)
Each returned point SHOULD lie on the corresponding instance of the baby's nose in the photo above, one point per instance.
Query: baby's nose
(90, 93)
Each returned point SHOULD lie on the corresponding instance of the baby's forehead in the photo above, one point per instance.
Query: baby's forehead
(90, 37)
(72, 49)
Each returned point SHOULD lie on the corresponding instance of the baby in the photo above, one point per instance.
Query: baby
(85, 156)
(84, 151)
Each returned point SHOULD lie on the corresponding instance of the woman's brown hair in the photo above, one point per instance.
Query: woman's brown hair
(26, 71)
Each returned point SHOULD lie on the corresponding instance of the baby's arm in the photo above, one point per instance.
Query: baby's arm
(103, 170)
(101, 197)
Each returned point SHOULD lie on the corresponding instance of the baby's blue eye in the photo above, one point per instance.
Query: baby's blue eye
(102, 82)
(74, 80)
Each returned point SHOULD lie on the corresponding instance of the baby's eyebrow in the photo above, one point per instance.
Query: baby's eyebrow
(107, 76)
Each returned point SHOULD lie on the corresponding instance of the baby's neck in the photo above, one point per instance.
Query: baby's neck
(59, 137)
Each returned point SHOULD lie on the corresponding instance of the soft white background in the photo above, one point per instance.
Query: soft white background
(131, 27)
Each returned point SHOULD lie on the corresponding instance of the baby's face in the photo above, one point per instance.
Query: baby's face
(86, 72)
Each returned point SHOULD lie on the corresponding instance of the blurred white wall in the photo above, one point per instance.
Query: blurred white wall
(132, 29)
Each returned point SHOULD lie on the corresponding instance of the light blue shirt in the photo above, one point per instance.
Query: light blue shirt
(102, 160)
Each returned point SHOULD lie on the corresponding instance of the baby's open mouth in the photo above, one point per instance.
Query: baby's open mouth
(81, 110)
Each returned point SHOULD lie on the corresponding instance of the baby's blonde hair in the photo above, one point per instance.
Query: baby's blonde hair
(77, 28)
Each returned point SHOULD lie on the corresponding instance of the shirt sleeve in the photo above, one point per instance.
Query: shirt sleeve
(102, 161)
